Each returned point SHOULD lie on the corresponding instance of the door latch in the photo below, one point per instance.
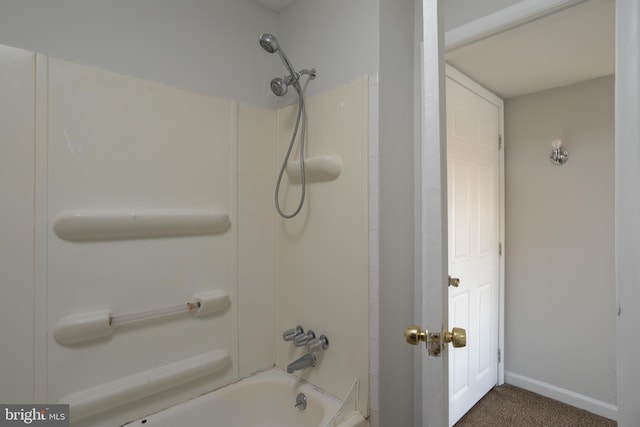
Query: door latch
(434, 344)
(434, 341)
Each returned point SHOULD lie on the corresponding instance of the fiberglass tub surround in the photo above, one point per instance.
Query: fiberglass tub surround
(267, 399)
(163, 245)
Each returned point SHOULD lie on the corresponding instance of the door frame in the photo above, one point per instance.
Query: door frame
(431, 226)
(400, 375)
(627, 208)
(431, 399)
(627, 172)
(468, 83)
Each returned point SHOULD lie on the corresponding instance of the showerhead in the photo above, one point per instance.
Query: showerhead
(279, 86)
(269, 43)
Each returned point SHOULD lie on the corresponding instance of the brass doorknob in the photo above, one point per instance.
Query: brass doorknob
(413, 335)
(435, 341)
(454, 281)
(457, 337)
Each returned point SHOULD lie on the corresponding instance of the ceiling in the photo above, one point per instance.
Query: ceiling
(275, 5)
(570, 46)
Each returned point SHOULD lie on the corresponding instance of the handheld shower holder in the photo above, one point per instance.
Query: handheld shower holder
(279, 87)
(312, 73)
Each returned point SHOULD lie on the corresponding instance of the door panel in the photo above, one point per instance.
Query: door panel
(460, 219)
(473, 189)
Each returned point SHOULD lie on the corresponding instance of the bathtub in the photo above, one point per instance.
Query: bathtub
(266, 399)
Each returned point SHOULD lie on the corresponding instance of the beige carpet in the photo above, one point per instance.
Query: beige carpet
(511, 406)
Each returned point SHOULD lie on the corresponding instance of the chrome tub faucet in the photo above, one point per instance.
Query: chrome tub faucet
(304, 362)
(314, 345)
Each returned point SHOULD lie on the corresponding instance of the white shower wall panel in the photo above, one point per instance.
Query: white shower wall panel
(116, 143)
(17, 71)
(256, 239)
(322, 254)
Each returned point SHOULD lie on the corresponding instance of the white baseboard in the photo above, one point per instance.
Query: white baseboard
(563, 395)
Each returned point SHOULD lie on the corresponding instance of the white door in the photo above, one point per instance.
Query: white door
(473, 189)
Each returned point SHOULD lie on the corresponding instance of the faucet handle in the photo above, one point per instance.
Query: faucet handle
(291, 334)
(304, 339)
(321, 343)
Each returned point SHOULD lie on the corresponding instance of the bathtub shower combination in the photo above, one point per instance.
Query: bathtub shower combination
(268, 399)
(274, 398)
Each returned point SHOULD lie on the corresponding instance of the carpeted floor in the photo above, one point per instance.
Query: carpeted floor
(511, 406)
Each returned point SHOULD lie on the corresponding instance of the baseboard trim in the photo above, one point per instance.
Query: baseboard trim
(563, 395)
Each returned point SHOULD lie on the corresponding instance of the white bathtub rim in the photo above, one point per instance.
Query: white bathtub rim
(273, 372)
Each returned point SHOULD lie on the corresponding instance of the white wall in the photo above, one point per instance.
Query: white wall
(204, 46)
(560, 294)
(338, 38)
(396, 230)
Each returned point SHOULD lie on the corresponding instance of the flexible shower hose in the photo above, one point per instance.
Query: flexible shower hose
(300, 117)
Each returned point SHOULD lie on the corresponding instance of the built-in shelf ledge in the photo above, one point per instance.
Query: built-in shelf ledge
(105, 397)
(317, 169)
(88, 226)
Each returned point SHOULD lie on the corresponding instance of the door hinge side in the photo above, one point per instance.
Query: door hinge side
(499, 142)
(500, 249)
(499, 356)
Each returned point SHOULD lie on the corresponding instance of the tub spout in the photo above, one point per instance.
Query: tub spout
(304, 362)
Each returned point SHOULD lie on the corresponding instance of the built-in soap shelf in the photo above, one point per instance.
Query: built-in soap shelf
(87, 226)
(88, 326)
(104, 397)
(317, 169)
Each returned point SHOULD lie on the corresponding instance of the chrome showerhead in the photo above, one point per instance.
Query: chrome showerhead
(279, 86)
(269, 43)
